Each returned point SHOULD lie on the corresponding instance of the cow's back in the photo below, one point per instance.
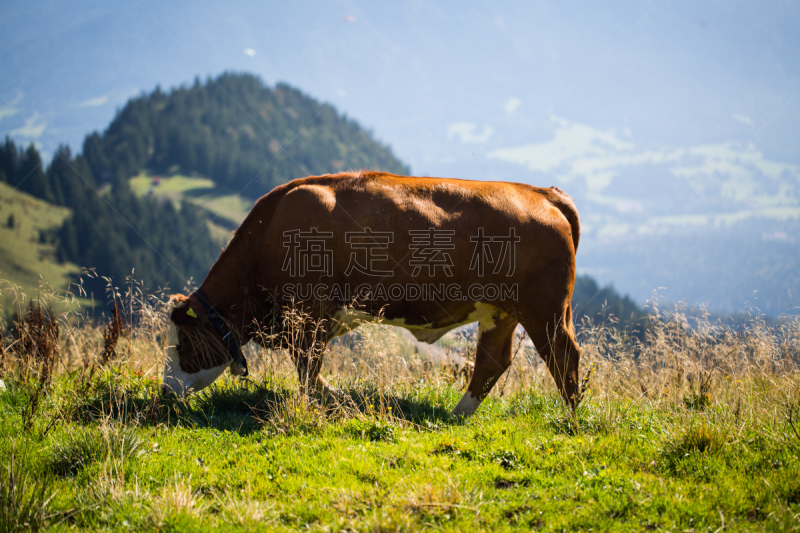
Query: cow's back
(401, 203)
(342, 207)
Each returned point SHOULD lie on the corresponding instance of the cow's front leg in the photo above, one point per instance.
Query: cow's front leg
(308, 369)
(493, 357)
(309, 365)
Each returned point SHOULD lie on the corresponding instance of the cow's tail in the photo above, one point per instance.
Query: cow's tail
(564, 203)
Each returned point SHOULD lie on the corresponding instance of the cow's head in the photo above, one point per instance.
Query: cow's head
(196, 355)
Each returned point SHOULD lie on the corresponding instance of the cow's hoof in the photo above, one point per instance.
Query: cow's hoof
(466, 406)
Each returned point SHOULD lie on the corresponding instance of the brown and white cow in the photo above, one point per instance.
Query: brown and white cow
(431, 254)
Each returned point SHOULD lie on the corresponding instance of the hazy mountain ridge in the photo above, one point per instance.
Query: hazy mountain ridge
(747, 265)
(712, 223)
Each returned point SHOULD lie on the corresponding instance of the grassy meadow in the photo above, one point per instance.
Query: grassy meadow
(229, 209)
(690, 429)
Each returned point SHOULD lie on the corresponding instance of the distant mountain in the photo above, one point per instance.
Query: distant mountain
(245, 136)
(103, 227)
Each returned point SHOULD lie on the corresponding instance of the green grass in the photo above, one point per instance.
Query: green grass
(27, 250)
(686, 430)
(252, 456)
(231, 209)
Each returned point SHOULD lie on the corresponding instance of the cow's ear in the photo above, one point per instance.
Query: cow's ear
(176, 300)
(183, 314)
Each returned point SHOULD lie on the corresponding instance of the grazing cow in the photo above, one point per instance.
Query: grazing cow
(425, 254)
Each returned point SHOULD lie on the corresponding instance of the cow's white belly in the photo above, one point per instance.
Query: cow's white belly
(486, 315)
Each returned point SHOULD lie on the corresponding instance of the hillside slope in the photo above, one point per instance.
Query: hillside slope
(225, 210)
(28, 251)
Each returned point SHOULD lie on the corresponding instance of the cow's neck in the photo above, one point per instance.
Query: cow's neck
(229, 286)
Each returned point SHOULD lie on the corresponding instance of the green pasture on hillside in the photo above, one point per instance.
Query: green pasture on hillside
(228, 209)
(27, 243)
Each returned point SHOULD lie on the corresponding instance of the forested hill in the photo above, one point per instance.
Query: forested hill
(598, 303)
(235, 130)
(245, 136)
(109, 229)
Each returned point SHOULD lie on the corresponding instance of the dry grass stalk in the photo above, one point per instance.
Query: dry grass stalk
(35, 343)
(35, 347)
(111, 333)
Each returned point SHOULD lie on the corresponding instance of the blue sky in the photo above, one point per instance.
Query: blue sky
(666, 73)
(651, 114)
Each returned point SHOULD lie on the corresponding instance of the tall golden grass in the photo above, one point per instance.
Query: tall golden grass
(671, 358)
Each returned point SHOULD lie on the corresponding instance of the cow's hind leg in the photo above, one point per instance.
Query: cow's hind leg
(554, 339)
(493, 357)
